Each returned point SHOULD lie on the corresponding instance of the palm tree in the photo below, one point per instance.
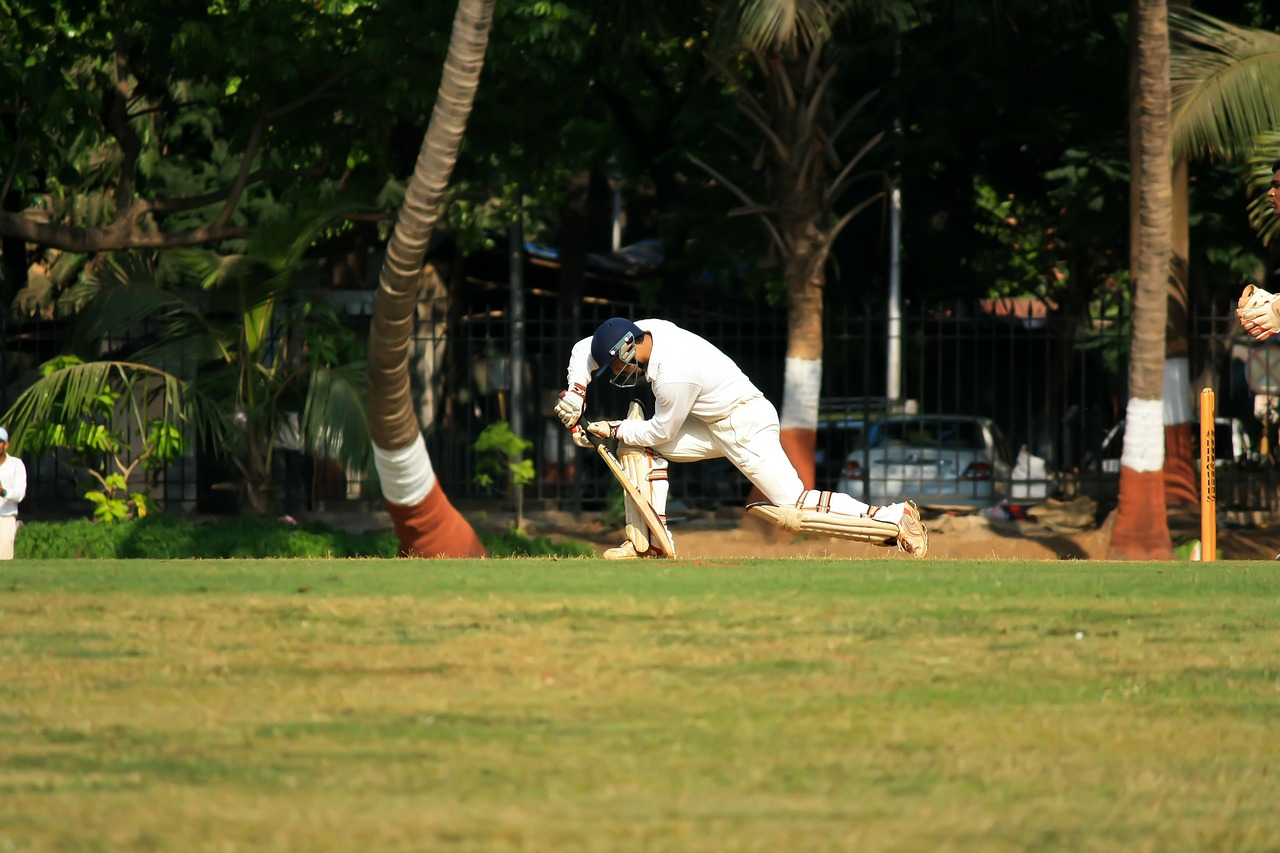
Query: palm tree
(806, 175)
(427, 524)
(1142, 528)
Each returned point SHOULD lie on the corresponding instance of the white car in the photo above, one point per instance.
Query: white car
(940, 461)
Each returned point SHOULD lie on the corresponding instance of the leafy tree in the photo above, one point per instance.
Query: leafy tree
(134, 127)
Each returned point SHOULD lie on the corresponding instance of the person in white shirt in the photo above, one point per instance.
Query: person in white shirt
(13, 488)
(707, 408)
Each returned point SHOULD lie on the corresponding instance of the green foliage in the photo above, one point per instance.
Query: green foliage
(500, 464)
(268, 366)
(1026, 262)
(514, 542)
(164, 537)
(1109, 331)
(184, 86)
(69, 540)
(1223, 78)
(83, 409)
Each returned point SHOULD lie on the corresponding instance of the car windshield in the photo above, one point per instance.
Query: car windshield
(943, 434)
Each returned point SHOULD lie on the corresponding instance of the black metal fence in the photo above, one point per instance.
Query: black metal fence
(1055, 386)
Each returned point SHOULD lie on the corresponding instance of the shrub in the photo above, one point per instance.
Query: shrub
(69, 540)
(513, 542)
(164, 537)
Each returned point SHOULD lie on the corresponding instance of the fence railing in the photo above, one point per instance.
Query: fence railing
(1051, 386)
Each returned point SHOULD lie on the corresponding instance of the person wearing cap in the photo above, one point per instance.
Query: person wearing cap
(705, 408)
(13, 488)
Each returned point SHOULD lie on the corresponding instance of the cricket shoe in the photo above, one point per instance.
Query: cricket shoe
(913, 536)
(627, 551)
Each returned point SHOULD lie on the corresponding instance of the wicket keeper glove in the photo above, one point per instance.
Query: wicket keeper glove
(572, 401)
(1257, 312)
(604, 429)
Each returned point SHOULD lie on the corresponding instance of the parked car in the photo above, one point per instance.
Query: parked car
(841, 430)
(939, 461)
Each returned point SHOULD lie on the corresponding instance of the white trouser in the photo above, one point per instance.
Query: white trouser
(8, 530)
(751, 439)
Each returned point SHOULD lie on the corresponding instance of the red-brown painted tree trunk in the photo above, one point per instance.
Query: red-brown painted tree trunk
(1142, 516)
(434, 528)
(1181, 487)
(426, 523)
(1141, 529)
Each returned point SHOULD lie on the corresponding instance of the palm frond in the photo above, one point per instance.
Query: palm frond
(782, 26)
(71, 393)
(118, 307)
(213, 270)
(334, 424)
(283, 247)
(1224, 82)
(792, 27)
(184, 347)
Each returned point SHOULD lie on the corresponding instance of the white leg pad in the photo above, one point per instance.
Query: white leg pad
(815, 515)
(633, 464)
(647, 470)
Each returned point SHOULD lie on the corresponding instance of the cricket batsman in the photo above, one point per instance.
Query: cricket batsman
(707, 408)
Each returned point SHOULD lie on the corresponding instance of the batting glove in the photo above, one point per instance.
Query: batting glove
(604, 429)
(579, 436)
(1257, 312)
(572, 401)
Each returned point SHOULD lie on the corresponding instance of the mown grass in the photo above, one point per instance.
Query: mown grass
(575, 705)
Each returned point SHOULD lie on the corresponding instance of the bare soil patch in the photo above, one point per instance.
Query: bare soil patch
(961, 536)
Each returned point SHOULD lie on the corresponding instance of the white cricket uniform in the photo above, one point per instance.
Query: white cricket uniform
(707, 408)
(13, 478)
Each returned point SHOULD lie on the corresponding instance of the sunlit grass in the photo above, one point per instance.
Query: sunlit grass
(578, 705)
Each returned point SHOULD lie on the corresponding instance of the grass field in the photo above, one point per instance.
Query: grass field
(575, 705)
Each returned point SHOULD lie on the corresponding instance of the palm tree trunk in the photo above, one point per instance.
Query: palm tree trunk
(1142, 527)
(426, 523)
(803, 377)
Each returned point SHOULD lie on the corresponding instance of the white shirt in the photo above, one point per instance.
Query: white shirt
(13, 477)
(689, 376)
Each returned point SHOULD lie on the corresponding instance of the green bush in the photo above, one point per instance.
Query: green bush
(160, 536)
(516, 543)
(69, 540)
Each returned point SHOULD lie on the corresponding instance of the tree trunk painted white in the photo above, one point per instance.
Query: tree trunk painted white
(799, 415)
(427, 525)
(1141, 529)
